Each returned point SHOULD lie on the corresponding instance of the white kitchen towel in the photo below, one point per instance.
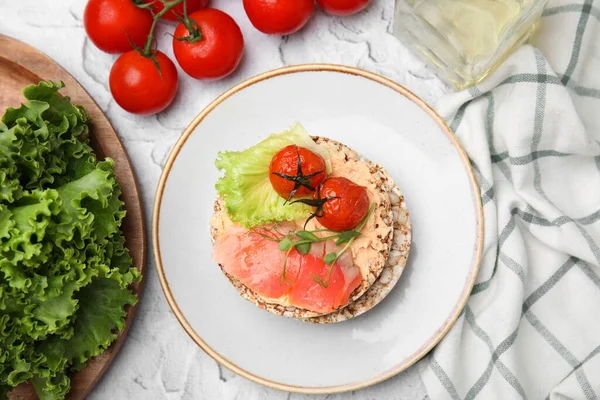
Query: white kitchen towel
(531, 328)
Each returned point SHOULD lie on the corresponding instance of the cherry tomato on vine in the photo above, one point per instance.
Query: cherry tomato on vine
(292, 179)
(137, 85)
(109, 23)
(342, 7)
(348, 206)
(192, 5)
(279, 17)
(213, 49)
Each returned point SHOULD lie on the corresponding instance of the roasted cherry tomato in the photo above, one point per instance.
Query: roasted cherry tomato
(109, 23)
(139, 87)
(296, 171)
(279, 17)
(347, 206)
(192, 5)
(218, 50)
(342, 7)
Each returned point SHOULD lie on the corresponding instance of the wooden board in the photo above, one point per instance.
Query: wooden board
(21, 65)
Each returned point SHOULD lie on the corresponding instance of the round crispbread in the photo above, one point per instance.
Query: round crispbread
(384, 267)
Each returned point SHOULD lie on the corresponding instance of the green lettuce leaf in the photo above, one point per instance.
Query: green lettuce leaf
(102, 309)
(52, 387)
(65, 273)
(249, 197)
(45, 137)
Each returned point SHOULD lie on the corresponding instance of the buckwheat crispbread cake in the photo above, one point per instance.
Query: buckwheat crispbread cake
(381, 255)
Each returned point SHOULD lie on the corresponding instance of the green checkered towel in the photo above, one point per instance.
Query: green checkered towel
(531, 328)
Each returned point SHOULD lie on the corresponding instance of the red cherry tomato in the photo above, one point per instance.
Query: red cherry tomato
(347, 208)
(108, 23)
(279, 17)
(192, 5)
(285, 162)
(219, 50)
(137, 85)
(342, 7)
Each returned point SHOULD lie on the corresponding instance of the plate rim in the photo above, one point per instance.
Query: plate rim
(430, 343)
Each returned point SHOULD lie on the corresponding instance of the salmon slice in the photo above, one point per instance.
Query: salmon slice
(258, 262)
(255, 261)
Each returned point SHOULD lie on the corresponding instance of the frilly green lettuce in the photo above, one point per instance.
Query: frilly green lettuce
(64, 269)
(249, 197)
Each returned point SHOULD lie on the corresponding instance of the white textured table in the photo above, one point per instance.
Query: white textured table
(159, 360)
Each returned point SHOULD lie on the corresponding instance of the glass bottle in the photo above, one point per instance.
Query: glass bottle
(464, 40)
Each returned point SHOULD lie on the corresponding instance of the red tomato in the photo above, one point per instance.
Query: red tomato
(279, 17)
(219, 50)
(342, 7)
(192, 5)
(285, 162)
(347, 209)
(137, 85)
(108, 23)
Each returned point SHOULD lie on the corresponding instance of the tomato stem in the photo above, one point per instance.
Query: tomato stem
(192, 27)
(168, 6)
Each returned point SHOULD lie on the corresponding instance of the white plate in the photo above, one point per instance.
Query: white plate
(390, 126)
